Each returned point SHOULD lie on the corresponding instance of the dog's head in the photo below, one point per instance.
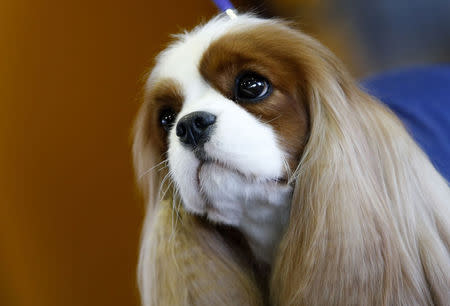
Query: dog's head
(226, 105)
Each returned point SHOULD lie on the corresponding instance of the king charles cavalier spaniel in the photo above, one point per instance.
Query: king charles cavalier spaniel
(270, 178)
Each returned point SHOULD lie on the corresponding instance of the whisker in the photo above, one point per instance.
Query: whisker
(172, 221)
(287, 168)
(160, 192)
(273, 119)
(175, 209)
(152, 168)
(168, 186)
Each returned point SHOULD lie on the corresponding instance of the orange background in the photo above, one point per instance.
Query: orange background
(69, 79)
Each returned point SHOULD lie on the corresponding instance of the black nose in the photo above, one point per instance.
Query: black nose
(194, 129)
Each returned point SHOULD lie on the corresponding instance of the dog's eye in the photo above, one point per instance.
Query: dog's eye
(251, 87)
(167, 118)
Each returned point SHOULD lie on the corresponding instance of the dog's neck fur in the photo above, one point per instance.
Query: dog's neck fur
(258, 208)
(264, 222)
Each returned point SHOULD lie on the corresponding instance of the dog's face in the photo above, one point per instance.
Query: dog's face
(226, 104)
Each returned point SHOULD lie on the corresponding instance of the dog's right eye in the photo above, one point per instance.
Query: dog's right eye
(167, 118)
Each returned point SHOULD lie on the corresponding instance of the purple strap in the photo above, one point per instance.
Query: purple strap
(223, 5)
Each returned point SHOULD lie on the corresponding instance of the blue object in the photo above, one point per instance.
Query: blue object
(223, 5)
(420, 97)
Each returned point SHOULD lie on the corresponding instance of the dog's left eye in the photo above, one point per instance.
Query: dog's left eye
(166, 118)
(251, 87)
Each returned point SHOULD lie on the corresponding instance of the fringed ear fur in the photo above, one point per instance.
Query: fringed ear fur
(188, 263)
(370, 215)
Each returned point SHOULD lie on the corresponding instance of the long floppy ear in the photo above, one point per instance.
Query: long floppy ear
(370, 215)
(183, 260)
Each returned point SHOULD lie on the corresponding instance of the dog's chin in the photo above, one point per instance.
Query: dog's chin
(224, 191)
(219, 188)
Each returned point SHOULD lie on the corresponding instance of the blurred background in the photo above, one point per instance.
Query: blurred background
(70, 76)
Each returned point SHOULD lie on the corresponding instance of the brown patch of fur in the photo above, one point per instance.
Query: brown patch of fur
(165, 93)
(150, 139)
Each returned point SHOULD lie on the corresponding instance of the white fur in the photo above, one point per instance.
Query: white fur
(237, 187)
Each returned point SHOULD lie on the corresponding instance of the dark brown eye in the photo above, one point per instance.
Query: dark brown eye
(251, 87)
(167, 118)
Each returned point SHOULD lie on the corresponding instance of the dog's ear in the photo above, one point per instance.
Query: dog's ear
(369, 220)
(145, 155)
(187, 262)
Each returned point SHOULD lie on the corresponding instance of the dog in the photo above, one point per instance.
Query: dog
(270, 178)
